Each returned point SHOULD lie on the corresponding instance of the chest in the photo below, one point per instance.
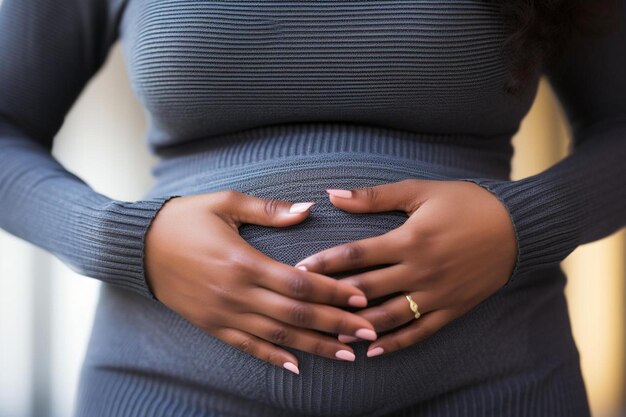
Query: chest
(218, 66)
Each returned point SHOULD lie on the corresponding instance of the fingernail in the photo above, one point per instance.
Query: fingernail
(292, 367)
(375, 352)
(346, 355)
(357, 301)
(302, 267)
(300, 207)
(344, 338)
(366, 334)
(340, 193)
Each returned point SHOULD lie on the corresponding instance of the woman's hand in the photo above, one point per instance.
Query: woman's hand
(457, 248)
(199, 266)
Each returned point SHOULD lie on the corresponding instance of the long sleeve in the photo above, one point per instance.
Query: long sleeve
(582, 198)
(48, 52)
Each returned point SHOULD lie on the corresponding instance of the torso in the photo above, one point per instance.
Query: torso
(205, 68)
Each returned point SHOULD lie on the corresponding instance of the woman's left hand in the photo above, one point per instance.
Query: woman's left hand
(457, 247)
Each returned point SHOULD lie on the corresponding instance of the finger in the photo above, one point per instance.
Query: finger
(245, 208)
(383, 249)
(383, 281)
(307, 286)
(405, 195)
(395, 312)
(417, 331)
(302, 339)
(311, 316)
(259, 348)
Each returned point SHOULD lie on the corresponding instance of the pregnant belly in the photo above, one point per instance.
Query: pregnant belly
(133, 333)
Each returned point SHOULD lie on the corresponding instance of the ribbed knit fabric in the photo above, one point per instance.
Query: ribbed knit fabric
(283, 99)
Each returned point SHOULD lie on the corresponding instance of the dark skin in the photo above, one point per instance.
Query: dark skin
(199, 266)
(456, 248)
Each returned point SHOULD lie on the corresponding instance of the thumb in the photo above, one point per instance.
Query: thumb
(245, 208)
(405, 195)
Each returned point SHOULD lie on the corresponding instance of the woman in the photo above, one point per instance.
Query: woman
(431, 284)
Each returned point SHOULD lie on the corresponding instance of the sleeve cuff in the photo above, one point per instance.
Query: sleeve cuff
(117, 241)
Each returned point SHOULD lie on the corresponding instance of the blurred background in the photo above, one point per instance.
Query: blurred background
(46, 310)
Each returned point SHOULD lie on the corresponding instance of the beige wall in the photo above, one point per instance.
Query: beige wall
(596, 271)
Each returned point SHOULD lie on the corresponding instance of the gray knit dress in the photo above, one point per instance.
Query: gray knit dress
(282, 99)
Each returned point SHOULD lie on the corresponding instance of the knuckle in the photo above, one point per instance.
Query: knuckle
(299, 286)
(389, 318)
(271, 206)
(353, 252)
(342, 325)
(429, 234)
(397, 344)
(220, 333)
(239, 261)
(426, 331)
(318, 348)
(410, 238)
(301, 314)
(412, 205)
(280, 335)
(430, 273)
(362, 285)
(223, 294)
(274, 357)
(318, 262)
(333, 294)
(238, 301)
(206, 324)
(246, 345)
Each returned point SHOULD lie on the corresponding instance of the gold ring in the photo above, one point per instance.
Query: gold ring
(413, 305)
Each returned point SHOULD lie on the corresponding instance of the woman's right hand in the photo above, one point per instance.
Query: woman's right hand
(199, 266)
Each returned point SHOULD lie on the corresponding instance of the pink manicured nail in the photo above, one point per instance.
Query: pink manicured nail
(340, 193)
(300, 207)
(344, 338)
(357, 301)
(292, 367)
(346, 355)
(302, 267)
(375, 352)
(366, 334)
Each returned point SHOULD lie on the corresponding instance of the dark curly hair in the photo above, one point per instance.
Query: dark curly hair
(541, 30)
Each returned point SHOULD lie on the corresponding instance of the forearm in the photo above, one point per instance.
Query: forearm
(43, 203)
